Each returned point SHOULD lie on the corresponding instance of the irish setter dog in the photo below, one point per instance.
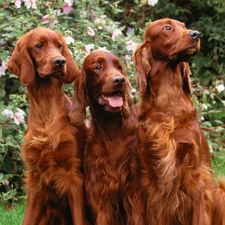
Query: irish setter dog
(173, 149)
(111, 163)
(52, 145)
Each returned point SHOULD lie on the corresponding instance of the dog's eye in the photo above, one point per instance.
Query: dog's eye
(98, 67)
(168, 28)
(59, 45)
(119, 67)
(39, 45)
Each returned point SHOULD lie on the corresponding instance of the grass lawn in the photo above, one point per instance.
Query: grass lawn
(13, 214)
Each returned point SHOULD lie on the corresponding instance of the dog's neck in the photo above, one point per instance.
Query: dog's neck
(165, 91)
(112, 125)
(47, 101)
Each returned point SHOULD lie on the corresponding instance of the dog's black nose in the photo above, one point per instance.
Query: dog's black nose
(118, 80)
(60, 62)
(194, 34)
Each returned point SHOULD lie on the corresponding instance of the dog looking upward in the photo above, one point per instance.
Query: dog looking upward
(173, 149)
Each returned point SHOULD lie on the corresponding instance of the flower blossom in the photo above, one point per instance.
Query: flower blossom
(129, 30)
(220, 88)
(115, 34)
(5, 182)
(69, 2)
(3, 67)
(6, 5)
(152, 2)
(103, 49)
(69, 40)
(91, 32)
(30, 4)
(204, 106)
(127, 57)
(19, 116)
(89, 47)
(17, 4)
(67, 8)
(100, 20)
(45, 19)
(131, 46)
(8, 113)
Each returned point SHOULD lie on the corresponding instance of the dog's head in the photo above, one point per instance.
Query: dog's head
(42, 52)
(165, 40)
(103, 85)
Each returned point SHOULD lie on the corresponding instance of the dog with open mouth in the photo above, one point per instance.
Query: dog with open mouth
(110, 160)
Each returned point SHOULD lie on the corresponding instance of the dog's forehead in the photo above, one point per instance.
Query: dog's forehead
(157, 26)
(165, 22)
(43, 35)
(102, 56)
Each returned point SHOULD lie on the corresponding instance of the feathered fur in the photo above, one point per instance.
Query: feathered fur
(111, 163)
(52, 146)
(173, 150)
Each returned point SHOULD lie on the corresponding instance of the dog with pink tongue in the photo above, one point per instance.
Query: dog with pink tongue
(110, 160)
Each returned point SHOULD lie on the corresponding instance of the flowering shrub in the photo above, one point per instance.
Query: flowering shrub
(87, 25)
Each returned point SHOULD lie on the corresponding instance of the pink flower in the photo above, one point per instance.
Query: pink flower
(91, 32)
(66, 8)
(19, 116)
(45, 19)
(6, 5)
(131, 46)
(5, 182)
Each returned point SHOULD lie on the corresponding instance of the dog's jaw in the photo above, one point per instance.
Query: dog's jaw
(111, 103)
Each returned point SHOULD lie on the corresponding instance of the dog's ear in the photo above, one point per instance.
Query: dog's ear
(142, 57)
(80, 100)
(185, 73)
(128, 101)
(72, 71)
(21, 63)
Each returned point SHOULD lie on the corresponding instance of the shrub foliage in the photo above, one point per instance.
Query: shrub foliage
(117, 26)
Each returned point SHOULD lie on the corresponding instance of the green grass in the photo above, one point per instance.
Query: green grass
(12, 214)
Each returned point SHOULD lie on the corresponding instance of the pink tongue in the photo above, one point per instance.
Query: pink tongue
(115, 101)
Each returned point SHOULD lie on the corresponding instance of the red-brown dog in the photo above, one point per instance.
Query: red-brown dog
(52, 145)
(111, 163)
(174, 153)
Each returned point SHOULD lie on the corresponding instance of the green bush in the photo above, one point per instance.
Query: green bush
(117, 26)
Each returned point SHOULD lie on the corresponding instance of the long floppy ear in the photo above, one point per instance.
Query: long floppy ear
(128, 98)
(21, 63)
(185, 73)
(72, 71)
(142, 57)
(80, 100)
